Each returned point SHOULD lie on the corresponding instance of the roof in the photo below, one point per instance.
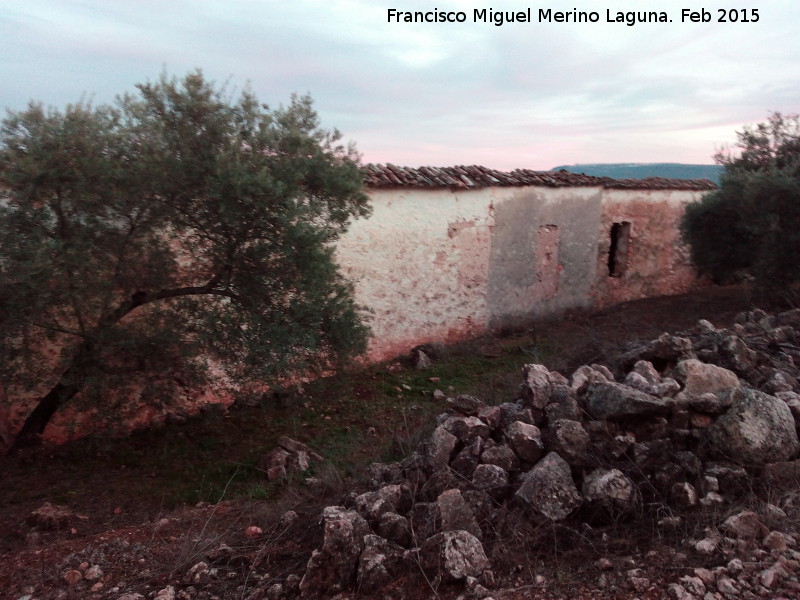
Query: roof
(474, 176)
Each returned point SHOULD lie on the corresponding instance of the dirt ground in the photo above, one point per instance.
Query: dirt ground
(141, 545)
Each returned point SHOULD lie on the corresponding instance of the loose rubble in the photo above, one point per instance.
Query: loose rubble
(702, 424)
(687, 423)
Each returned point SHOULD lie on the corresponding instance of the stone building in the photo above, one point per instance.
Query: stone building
(451, 252)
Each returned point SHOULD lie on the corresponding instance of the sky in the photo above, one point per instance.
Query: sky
(528, 95)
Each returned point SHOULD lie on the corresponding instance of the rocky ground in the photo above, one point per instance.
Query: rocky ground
(666, 469)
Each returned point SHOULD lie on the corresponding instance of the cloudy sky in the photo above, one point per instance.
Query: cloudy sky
(528, 94)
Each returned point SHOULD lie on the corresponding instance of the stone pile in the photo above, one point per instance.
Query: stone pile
(686, 422)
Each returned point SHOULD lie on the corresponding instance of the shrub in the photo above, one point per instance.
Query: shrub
(750, 226)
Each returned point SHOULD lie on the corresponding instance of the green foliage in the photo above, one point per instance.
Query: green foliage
(147, 242)
(751, 225)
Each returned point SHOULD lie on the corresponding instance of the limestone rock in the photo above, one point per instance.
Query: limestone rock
(468, 406)
(395, 528)
(456, 555)
(501, 456)
(491, 415)
(420, 359)
(538, 382)
(274, 463)
(745, 524)
(683, 495)
(700, 378)
(677, 592)
(610, 490)
(379, 564)
(706, 546)
(647, 371)
(222, 554)
(709, 403)
(779, 382)
(563, 405)
(333, 567)
(389, 498)
(667, 348)
(525, 440)
(693, 585)
(466, 429)
(50, 516)
(757, 429)
(439, 448)
(372, 505)
(455, 514)
(548, 489)
(734, 354)
(617, 401)
(637, 382)
(198, 573)
(512, 411)
(291, 445)
(570, 441)
(167, 593)
(585, 376)
(490, 479)
(727, 587)
(289, 456)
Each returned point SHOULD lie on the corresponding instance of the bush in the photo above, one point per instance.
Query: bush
(750, 226)
(178, 231)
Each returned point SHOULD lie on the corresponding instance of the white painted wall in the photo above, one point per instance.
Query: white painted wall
(441, 265)
(420, 263)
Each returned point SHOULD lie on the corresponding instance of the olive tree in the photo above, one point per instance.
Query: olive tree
(181, 236)
(750, 226)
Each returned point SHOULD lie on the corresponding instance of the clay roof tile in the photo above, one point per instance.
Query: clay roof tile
(476, 176)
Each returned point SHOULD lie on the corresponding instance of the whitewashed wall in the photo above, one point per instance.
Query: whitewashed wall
(434, 264)
(420, 263)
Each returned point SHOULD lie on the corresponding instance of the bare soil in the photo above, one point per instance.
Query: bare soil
(126, 522)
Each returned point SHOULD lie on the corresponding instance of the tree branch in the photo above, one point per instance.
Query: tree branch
(57, 329)
(141, 298)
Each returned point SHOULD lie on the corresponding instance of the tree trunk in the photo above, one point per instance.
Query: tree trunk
(69, 385)
(32, 429)
(83, 363)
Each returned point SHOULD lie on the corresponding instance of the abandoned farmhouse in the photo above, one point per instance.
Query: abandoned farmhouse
(451, 252)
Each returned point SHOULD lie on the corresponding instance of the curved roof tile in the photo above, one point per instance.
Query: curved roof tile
(475, 176)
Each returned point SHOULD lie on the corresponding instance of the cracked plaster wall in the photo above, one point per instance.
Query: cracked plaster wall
(420, 263)
(436, 265)
(657, 261)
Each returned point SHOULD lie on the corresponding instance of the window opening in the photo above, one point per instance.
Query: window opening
(618, 253)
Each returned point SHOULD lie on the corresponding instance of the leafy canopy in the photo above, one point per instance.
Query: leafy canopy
(142, 242)
(750, 226)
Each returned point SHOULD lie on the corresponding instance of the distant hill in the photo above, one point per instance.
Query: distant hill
(642, 170)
